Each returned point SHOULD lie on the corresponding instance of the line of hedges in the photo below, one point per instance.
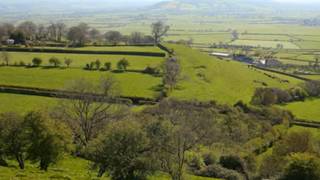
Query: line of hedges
(67, 95)
(67, 51)
(164, 48)
(305, 123)
(283, 73)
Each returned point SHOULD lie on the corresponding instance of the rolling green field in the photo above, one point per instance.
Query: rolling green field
(208, 78)
(130, 83)
(308, 110)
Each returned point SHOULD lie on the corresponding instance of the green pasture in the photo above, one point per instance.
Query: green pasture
(308, 110)
(80, 60)
(130, 83)
(24, 103)
(110, 48)
(266, 44)
(68, 168)
(208, 78)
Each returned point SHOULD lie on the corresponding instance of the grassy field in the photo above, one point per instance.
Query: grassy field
(208, 78)
(267, 44)
(24, 103)
(111, 48)
(80, 60)
(130, 83)
(308, 110)
(70, 168)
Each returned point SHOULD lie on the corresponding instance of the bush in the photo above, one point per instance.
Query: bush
(312, 88)
(216, 171)
(195, 161)
(36, 61)
(209, 158)
(21, 63)
(107, 66)
(302, 167)
(55, 61)
(122, 151)
(123, 64)
(233, 162)
(152, 70)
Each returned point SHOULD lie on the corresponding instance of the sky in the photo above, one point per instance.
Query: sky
(299, 1)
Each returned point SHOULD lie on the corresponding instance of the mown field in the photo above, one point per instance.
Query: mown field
(208, 78)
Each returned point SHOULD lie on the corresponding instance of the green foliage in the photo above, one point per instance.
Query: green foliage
(122, 151)
(36, 61)
(55, 61)
(48, 140)
(123, 64)
(107, 66)
(302, 166)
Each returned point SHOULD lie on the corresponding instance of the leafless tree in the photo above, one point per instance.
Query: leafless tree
(78, 35)
(159, 29)
(179, 127)
(5, 57)
(61, 29)
(113, 37)
(29, 29)
(85, 113)
(171, 73)
(94, 34)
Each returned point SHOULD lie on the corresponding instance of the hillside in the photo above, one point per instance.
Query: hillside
(208, 78)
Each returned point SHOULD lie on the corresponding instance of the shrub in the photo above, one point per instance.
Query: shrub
(302, 167)
(123, 64)
(54, 61)
(122, 151)
(152, 70)
(312, 88)
(98, 64)
(21, 63)
(233, 162)
(195, 161)
(36, 61)
(216, 171)
(209, 158)
(107, 66)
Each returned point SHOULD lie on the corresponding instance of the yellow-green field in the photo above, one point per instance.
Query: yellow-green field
(208, 78)
(308, 110)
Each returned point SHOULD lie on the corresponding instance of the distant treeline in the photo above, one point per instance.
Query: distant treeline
(29, 33)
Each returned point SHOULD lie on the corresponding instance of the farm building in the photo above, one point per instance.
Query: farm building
(218, 54)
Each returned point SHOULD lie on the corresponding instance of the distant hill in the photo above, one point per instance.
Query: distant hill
(229, 7)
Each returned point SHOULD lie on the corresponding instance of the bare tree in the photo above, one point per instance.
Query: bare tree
(61, 28)
(86, 113)
(29, 29)
(235, 35)
(5, 57)
(113, 37)
(5, 30)
(171, 73)
(179, 127)
(78, 35)
(159, 29)
(52, 31)
(94, 34)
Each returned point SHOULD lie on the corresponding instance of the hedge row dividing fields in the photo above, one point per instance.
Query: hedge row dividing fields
(73, 51)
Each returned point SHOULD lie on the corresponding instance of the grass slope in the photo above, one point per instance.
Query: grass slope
(24, 103)
(130, 83)
(308, 110)
(208, 78)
